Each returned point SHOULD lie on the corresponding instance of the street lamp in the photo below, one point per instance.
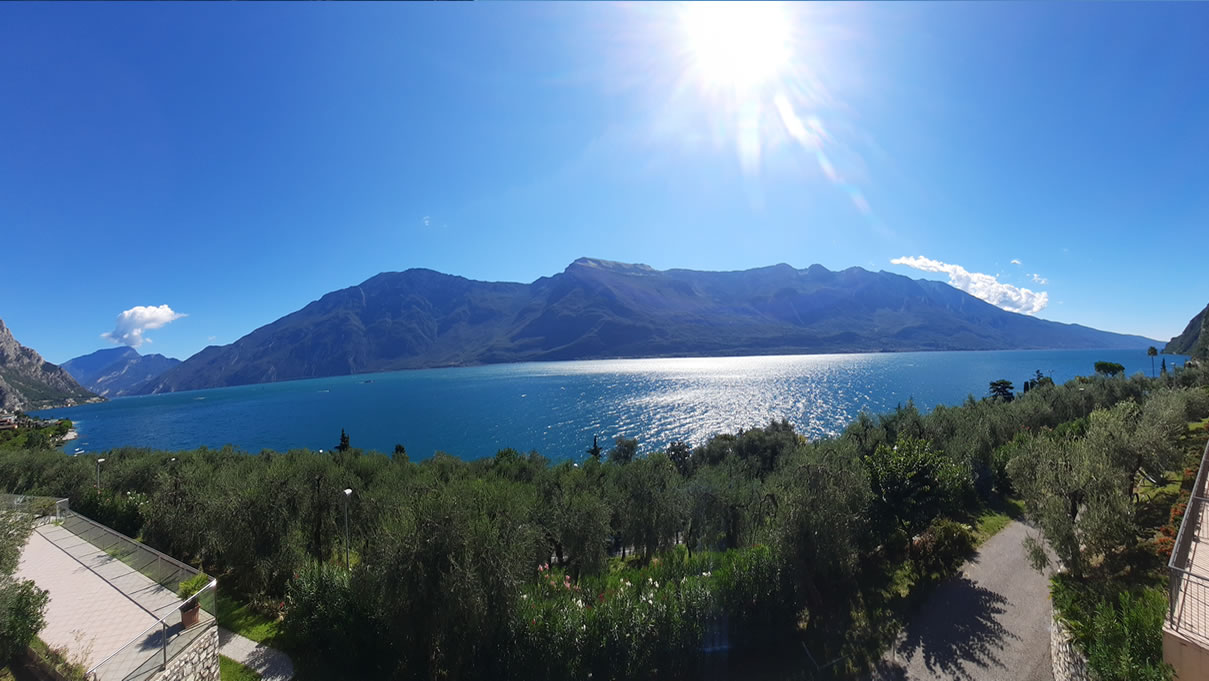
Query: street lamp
(99, 462)
(348, 493)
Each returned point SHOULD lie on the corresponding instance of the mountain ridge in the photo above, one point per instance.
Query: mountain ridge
(597, 309)
(115, 372)
(29, 382)
(1194, 340)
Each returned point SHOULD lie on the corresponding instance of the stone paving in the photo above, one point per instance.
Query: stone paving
(86, 616)
(270, 663)
(99, 605)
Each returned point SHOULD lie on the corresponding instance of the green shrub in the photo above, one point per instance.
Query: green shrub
(942, 548)
(191, 586)
(1075, 602)
(1126, 641)
(57, 659)
(21, 616)
(653, 621)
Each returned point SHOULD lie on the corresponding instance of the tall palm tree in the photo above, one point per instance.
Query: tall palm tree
(1152, 351)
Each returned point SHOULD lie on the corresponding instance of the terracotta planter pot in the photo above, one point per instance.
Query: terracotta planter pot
(190, 613)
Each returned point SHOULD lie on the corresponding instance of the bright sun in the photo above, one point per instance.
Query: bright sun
(736, 46)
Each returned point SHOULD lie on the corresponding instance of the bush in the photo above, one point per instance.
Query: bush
(1127, 640)
(942, 548)
(648, 622)
(323, 618)
(1179, 507)
(21, 616)
(1075, 604)
(191, 586)
(71, 669)
(1164, 545)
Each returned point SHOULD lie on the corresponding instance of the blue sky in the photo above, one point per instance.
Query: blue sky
(236, 161)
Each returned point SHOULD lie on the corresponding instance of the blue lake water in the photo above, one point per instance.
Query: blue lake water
(556, 407)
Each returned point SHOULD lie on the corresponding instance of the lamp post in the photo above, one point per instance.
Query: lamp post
(99, 462)
(348, 493)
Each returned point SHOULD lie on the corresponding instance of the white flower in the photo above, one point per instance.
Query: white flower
(656, 585)
(579, 603)
(524, 597)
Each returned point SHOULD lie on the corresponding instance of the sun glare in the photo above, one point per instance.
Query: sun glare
(736, 46)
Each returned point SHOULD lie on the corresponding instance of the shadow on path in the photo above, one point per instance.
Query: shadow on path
(958, 627)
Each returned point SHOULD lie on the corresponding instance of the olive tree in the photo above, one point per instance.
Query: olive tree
(1072, 489)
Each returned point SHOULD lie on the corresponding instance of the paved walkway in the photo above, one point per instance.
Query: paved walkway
(989, 623)
(102, 610)
(270, 663)
(86, 616)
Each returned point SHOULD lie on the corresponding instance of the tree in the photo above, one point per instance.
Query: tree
(343, 446)
(1073, 491)
(1163, 367)
(624, 450)
(681, 455)
(595, 450)
(1109, 369)
(821, 513)
(651, 492)
(1002, 389)
(1151, 352)
(913, 483)
(1039, 379)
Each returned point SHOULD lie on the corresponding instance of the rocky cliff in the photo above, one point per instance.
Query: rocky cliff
(29, 382)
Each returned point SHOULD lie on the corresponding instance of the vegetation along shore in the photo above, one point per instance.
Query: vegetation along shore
(759, 543)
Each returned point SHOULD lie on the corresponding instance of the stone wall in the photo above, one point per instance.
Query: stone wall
(198, 662)
(1068, 661)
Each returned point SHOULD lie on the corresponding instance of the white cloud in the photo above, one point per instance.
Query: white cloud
(1038, 279)
(1016, 261)
(133, 322)
(984, 286)
(427, 220)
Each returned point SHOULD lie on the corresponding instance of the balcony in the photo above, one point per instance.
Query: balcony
(113, 601)
(1186, 631)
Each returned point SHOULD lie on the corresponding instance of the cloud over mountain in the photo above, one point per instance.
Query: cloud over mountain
(984, 286)
(130, 325)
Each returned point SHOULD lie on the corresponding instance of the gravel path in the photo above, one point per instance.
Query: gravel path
(989, 623)
(270, 663)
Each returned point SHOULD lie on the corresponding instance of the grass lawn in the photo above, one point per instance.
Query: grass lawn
(230, 670)
(994, 517)
(243, 620)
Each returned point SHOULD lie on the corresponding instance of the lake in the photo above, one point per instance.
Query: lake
(556, 407)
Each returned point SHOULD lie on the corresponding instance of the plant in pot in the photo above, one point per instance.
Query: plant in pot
(191, 608)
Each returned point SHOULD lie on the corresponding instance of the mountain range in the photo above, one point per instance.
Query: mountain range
(29, 382)
(1194, 341)
(114, 372)
(601, 309)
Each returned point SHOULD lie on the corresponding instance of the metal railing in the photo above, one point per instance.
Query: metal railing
(162, 569)
(43, 509)
(150, 652)
(1187, 590)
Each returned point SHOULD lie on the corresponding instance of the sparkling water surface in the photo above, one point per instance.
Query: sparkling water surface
(556, 407)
